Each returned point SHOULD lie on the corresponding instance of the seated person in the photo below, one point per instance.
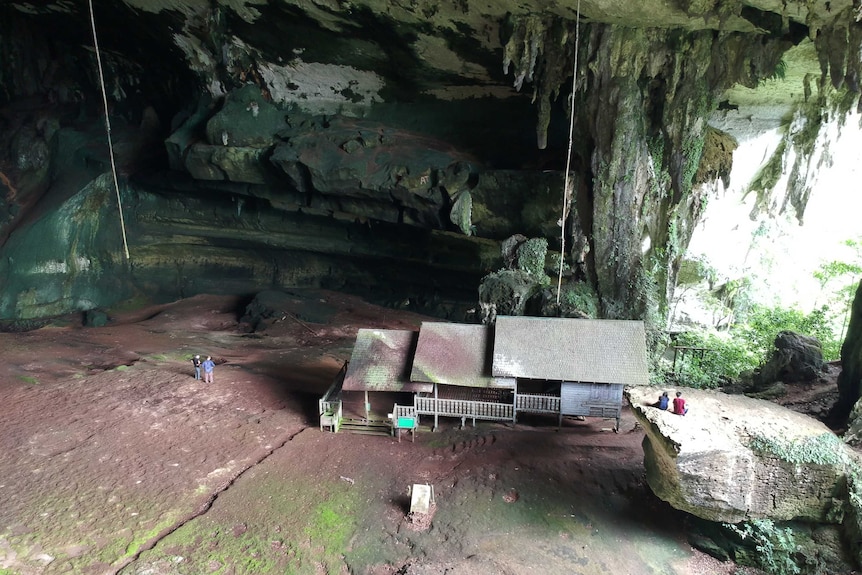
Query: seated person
(679, 406)
(663, 401)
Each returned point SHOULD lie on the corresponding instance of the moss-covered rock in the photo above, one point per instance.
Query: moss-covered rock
(508, 292)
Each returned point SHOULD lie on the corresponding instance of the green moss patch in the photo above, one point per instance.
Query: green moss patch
(283, 525)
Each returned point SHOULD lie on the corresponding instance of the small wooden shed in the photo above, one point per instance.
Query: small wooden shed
(591, 359)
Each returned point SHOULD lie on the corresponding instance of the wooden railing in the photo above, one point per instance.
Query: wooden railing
(404, 411)
(404, 417)
(329, 406)
(465, 408)
(537, 403)
(330, 415)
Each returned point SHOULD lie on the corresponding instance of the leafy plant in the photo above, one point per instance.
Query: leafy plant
(580, 297)
(842, 274)
(762, 324)
(709, 359)
(775, 546)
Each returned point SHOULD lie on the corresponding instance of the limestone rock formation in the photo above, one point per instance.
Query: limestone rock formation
(733, 458)
(346, 144)
(796, 358)
(853, 435)
(850, 379)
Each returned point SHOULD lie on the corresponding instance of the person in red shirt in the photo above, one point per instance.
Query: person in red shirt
(679, 407)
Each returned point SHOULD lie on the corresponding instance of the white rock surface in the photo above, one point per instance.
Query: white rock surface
(733, 458)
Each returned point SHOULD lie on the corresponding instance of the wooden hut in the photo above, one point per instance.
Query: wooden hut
(587, 360)
(556, 366)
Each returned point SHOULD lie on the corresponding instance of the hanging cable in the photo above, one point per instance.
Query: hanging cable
(108, 129)
(566, 190)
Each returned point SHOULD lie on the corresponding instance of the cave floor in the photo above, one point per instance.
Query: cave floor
(114, 459)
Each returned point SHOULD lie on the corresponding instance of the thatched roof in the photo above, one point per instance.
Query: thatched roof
(564, 349)
(381, 361)
(453, 354)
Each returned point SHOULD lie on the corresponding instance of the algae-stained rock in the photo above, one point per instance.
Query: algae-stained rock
(365, 159)
(733, 458)
(507, 292)
(853, 435)
(506, 202)
(69, 260)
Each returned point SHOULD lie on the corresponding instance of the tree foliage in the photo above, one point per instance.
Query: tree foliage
(711, 358)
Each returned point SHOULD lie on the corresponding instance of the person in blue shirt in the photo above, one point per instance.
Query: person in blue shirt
(208, 366)
(663, 401)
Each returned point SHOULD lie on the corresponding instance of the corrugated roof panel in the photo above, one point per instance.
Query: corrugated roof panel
(590, 350)
(381, 361)
(453, 354)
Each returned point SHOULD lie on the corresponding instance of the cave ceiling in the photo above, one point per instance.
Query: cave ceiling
(377, 142)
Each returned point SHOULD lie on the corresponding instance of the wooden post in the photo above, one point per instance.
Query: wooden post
(436, 408)
(515, 405)
(367, 406)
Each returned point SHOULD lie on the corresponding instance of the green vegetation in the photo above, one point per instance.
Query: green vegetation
(838, 280)
(29, 379)
(722, 359)
(554, 261)
(746, 345)
(780, 72)
(531, 256)
(774, 546)
(578, 298)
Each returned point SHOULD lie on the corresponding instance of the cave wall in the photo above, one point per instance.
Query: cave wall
(371, 144)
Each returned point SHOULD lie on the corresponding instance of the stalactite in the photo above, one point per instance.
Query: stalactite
(540, 52)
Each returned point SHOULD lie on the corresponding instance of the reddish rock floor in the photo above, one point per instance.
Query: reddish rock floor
(114, 459)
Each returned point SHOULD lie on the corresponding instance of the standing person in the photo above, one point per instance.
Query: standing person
(679, 407)
(208, 366)
(196, 361)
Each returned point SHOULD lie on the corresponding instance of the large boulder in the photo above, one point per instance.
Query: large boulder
(734, 458)
(796, 358)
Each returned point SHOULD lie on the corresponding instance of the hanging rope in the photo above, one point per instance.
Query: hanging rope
(108, 129)
(567, 193)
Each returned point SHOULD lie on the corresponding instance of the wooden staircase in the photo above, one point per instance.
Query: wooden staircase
(366, 426)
